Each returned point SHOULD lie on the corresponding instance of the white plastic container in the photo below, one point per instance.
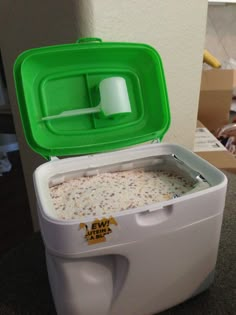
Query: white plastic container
(155, 257)
(135, 262)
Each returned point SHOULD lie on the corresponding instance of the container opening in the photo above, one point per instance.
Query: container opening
(110, 189)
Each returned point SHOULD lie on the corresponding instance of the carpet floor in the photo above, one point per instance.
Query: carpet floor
(24, 287)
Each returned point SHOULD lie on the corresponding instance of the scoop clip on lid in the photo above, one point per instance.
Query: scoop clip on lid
(114, 100)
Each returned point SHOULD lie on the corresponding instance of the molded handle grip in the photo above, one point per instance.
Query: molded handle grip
(85, 40)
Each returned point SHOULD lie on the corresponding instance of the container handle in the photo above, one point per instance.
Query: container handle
(85, 40)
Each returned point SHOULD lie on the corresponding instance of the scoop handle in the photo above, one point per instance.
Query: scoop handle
(74, 112)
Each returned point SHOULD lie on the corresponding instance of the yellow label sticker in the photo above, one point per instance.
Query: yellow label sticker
(99, 228)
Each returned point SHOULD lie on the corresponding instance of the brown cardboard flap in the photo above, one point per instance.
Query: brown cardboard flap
(220, 80)
(215, 98)
(223, 160)
(234, 79)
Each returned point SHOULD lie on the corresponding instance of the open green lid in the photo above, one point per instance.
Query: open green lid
(64, 78)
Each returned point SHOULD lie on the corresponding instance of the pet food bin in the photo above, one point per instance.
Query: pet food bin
(142, 260)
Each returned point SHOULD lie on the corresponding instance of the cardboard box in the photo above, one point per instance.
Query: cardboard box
(215, 98)
(220, 158)
(234, 79)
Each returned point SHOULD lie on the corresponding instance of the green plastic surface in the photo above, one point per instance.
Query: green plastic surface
(53, 79)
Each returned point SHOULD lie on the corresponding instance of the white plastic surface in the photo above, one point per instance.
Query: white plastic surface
(75, 112)
(164, 270)
(114, 96)
(94, 282)
(168, 251)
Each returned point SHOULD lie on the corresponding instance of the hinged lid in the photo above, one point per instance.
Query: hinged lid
(56, 79)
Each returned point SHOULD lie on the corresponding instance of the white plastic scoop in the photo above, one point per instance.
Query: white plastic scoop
(114, 100)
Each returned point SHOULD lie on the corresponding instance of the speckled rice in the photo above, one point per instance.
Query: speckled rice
(108, 193)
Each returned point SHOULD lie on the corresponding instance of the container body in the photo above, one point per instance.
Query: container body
(151, 259)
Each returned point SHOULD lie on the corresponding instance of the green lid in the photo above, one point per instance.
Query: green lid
(52, 80)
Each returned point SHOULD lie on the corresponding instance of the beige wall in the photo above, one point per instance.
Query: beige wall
(175, 28)
(221, 31)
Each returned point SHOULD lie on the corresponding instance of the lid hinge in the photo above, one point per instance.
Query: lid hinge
(156, 141)
(53, 158)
